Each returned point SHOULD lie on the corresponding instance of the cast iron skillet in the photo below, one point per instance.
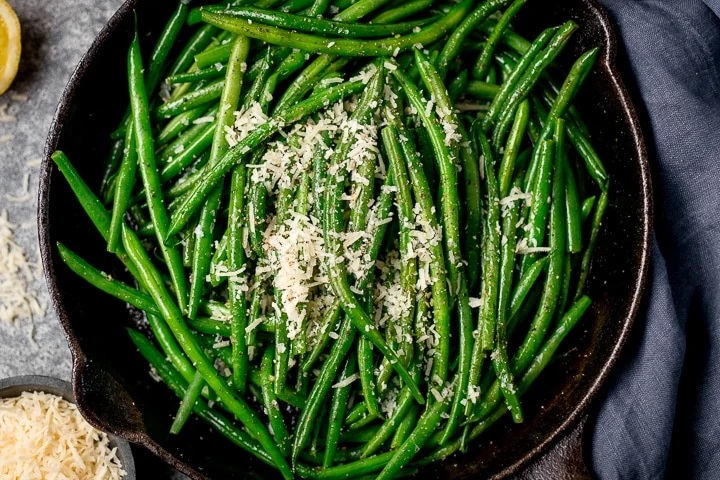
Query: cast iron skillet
(110, 379)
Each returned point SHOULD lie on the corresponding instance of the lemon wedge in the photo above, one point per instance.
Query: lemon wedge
(9, 45)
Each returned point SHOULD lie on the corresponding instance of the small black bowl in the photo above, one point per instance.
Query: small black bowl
(111, 381)
(15, 386)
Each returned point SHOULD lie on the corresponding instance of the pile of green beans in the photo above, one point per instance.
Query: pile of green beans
(470, 142)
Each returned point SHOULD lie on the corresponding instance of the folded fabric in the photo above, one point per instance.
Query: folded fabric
(660, 414)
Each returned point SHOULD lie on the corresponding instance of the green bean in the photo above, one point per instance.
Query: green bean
(457, 37)
(356, 413)
(329, 323)
(594, 232)
(482, 90)
(189, 101)
(173, 316)
(167, 153)
(210, 73)
(257, 211)
(188, 244)
(105, 282)
(201, 408)
(539, 207)
(522, 289)
(465, 333)
(351, 469)
(211, 326)
(366, 372)
(565, 325)
(491, 256)
(492, 75)
(565, 287)
(342, 4)
(219, 261)
(483, 62)
(304, 81)
(573, 213)
(101, 219)
(187, 403)
(513, 80)
(318, 8)
(107, 185)
(292, 60)
(279, 430)
(219, 54)
(473, 210)
(192, 151)
(574, 80)
(170, 347)
(148, 169)
(164, 44)
(457, 87)
(587, 152)
(499, 357)
(312, 24)
(214, 173)
(294, 5)
(337, 410)
(282, 352)
(403, 431)
(341, 46)
(505, 174)
(198, 42)
(362, 423)
(179, 124)
(237, 286)
(408, 267)
(402, 11)
(359, 9)
(587, 207)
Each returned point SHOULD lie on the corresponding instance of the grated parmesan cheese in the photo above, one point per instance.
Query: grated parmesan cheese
(347, 381)
(5, 117)
(16, 275)
(44, 436)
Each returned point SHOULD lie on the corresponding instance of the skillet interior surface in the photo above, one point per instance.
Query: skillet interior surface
(111, 382)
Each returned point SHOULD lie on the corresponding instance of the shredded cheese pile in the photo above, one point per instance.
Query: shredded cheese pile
(44, 437)
(292, 269)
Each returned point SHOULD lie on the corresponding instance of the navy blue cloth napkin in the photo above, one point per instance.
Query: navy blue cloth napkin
(660, 416)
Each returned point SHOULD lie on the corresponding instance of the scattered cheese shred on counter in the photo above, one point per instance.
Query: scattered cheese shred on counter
(16, 274)
(44, 436)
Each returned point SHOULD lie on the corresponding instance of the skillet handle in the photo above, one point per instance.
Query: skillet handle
(105, 403)
(564, 461)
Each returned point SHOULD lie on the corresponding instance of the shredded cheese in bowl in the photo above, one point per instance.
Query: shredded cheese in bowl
(43, 436)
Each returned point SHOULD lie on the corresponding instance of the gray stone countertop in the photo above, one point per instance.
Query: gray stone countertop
(55, 35)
